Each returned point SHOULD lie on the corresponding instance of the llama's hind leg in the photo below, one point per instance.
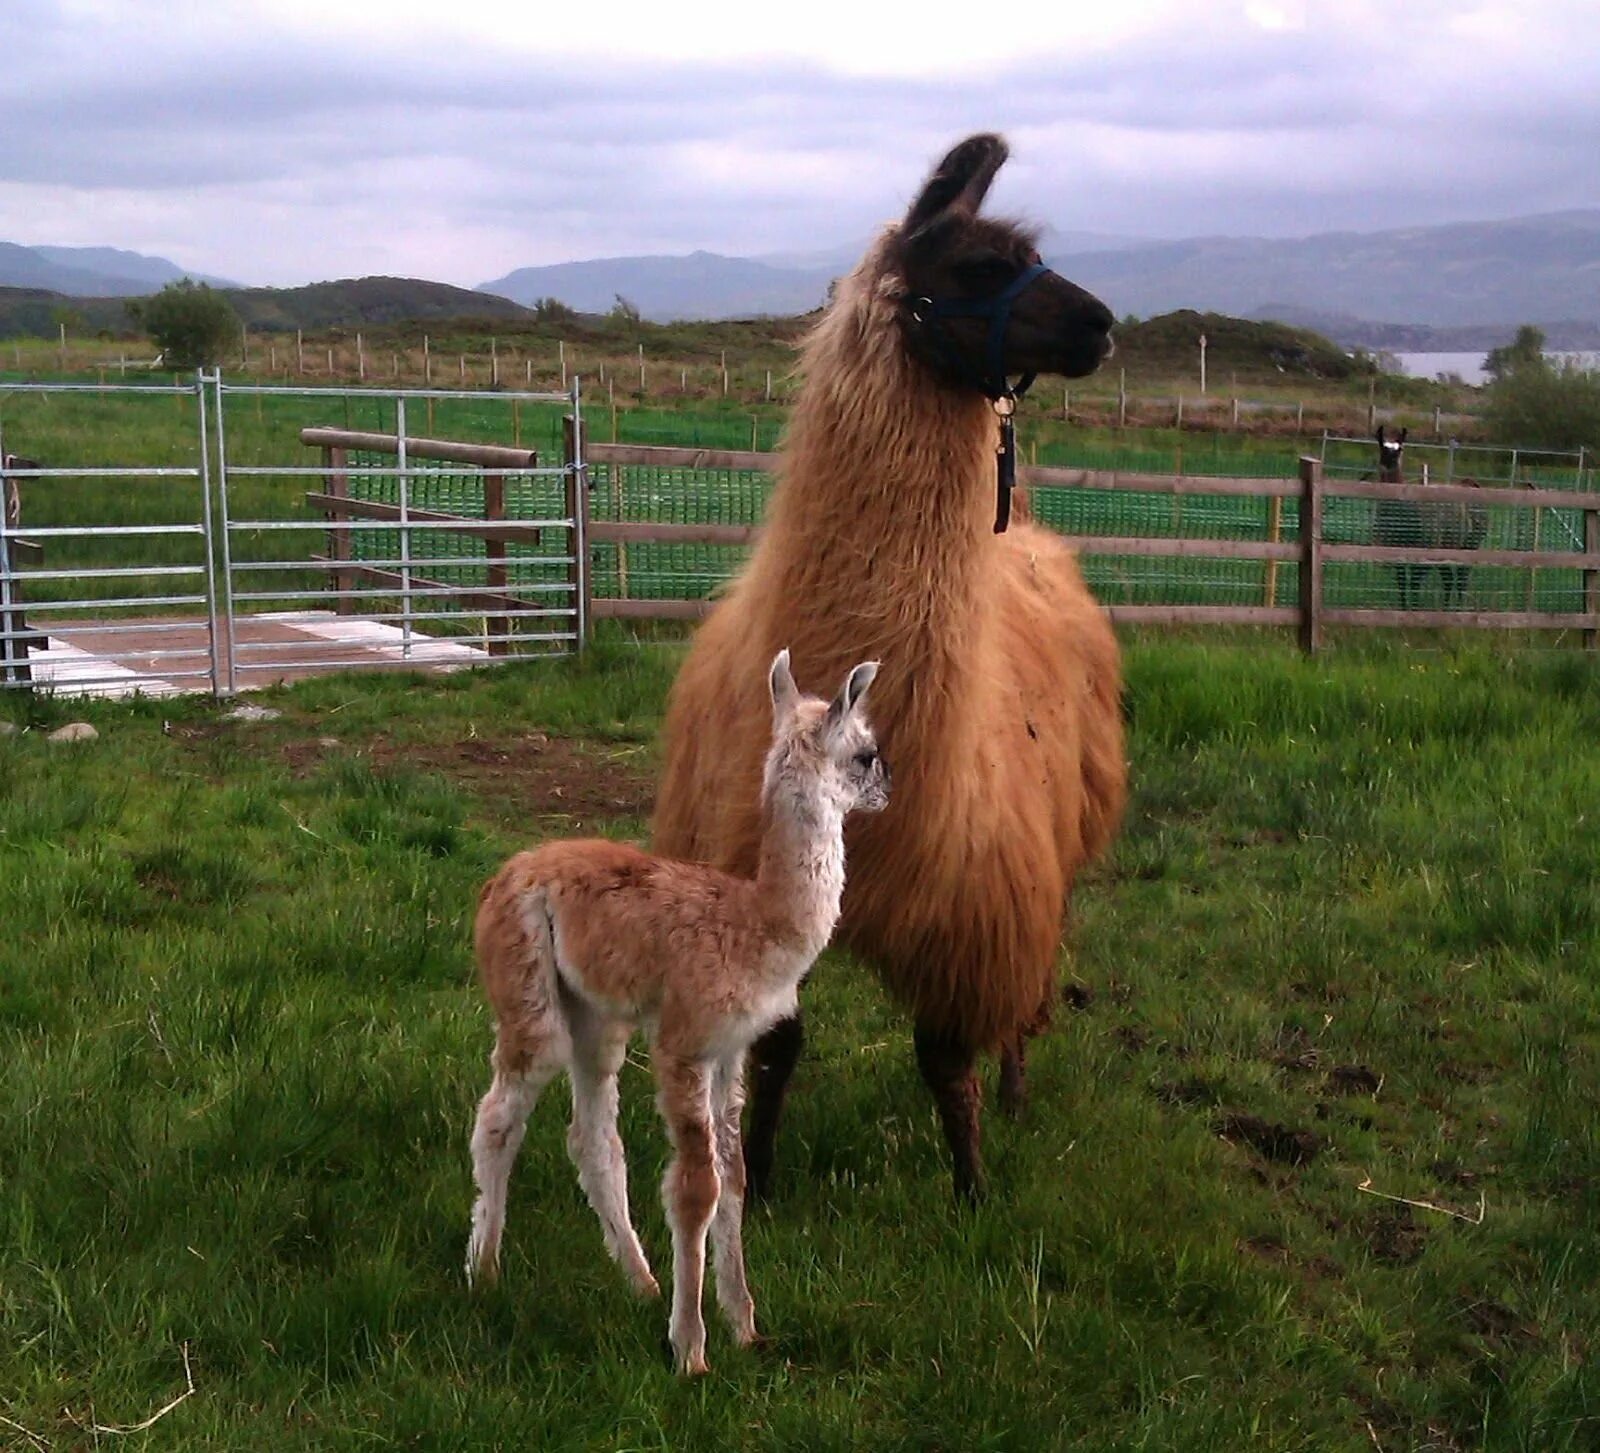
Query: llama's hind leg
(948, 1068)
(772, 1060)
(595, 1146)
(689, 1193)
(519, 1076)
(727, 1224)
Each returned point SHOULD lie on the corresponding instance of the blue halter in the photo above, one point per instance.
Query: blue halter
(990, 380)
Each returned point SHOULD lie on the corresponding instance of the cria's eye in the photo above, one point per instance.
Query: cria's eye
(864, 760)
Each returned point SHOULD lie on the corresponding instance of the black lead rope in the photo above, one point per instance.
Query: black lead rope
(991, 379)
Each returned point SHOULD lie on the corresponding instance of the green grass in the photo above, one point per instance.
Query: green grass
(241, 1049)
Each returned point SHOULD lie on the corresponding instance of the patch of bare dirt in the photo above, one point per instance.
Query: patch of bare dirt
(537, 777)
(1281, 1143)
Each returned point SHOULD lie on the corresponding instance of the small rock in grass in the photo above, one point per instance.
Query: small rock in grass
(246, 712)
(8, 728)
(74, 731)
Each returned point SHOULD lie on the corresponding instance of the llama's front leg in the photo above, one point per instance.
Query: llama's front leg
(689, 1193)
(496, 1137)
(596, 1148)
(772, 1059)
(727, 1225)
(948, 1068)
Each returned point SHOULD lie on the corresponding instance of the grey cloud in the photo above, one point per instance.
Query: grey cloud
(1272, 131)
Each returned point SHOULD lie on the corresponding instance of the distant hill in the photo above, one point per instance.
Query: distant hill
(1489, 274)
(1531, 269)
(350, 303)
(90, 272)
(701, 285)
(355, 302)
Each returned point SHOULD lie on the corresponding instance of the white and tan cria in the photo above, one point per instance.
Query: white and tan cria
(579, 943)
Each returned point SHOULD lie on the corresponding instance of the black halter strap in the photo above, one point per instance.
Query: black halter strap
(990, 379)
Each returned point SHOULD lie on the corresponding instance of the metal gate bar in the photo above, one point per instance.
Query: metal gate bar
(99, 677)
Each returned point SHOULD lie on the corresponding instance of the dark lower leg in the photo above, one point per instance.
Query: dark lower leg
(772, 1061)
(1014, 1076)
(947, 1066)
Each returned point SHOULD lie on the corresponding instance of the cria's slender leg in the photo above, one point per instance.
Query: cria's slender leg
(727, 1225)
(772, 1058)
(598, 1049)
(689, 1193)
(947, 1067)
(496, 1138)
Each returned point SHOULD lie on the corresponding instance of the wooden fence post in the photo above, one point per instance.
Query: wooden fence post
(1310, 554)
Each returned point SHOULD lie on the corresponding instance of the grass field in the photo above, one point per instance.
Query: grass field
(1347, 939)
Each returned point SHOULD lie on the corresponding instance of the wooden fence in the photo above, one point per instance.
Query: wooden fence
(497, 532)
(1310, 551)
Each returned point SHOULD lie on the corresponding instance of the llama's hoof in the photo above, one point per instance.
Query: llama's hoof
(646, 1287)
(971, 1192)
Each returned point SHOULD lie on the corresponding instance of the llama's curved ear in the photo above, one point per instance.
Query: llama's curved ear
(854, 688)
(960, 182)
(1403, 434)
(1380, 436)
(780, 681)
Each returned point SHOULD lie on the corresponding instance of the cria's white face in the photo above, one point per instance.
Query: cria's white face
(827, 746)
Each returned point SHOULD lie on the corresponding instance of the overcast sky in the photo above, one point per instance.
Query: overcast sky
(282, 141)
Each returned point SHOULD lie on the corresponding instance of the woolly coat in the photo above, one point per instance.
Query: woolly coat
(997, 705)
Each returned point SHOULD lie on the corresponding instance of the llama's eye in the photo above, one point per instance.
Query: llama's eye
(865, 760)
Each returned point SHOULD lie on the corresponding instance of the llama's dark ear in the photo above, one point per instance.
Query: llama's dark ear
(1403, 434)
(1380, 436)
(781, 681)
(854, 688)
(959, 183)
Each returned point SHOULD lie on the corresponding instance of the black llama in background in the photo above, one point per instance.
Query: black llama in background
(1447, 525)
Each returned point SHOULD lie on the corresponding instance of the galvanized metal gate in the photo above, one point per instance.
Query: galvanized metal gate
(247, 560)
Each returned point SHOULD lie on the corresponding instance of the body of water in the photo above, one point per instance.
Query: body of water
(1468, 367)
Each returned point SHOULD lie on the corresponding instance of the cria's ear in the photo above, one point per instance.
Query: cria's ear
(781, 682)
(854, 688)
(959, 183)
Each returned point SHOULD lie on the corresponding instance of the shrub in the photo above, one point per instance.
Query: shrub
(191, 324)
(1551, 408)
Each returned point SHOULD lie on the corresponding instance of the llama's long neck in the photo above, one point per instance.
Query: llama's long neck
(800, 880)
(882, 526)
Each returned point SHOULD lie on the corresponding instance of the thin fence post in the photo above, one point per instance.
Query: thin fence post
(1275, 535)
(335, 460)
(577, 507)
(1591, 578)
(1310, 554)
(494, 508)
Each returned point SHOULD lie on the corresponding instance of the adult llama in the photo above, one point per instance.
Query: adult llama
(999, 698)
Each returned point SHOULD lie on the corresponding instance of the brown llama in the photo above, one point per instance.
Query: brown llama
(580, 943)
(1000, 699)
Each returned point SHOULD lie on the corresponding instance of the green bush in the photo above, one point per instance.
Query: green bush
(192, 324)
(1550, 408)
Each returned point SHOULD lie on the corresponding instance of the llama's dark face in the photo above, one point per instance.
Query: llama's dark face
(1389, 454)
(947, 252)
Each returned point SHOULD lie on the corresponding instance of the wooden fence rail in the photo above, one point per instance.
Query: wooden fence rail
(1311, 551)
